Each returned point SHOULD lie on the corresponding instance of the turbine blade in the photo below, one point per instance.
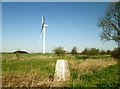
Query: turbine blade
(41, 33)
(41, 30)
(43, 20)
(42, 23)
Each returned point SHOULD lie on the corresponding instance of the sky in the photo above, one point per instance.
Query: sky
(0, 27)
(60, 0)
(69, 24)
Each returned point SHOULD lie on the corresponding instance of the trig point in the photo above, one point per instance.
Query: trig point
(62, 72)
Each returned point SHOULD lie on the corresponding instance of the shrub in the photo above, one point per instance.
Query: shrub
(102, 52)
(74, 50)
(116, 53)
(91, 51)
(59, 50)
(108, 52)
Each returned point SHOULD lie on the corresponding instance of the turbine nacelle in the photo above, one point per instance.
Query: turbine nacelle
(45, 25)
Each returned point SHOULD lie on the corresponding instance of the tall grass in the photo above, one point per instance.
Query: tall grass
(91, 64)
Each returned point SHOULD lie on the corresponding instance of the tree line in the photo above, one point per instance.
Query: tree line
(87, 51)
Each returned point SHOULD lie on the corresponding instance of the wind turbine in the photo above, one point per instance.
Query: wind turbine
(42, 33)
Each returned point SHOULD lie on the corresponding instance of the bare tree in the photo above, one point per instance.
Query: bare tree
(110, 23)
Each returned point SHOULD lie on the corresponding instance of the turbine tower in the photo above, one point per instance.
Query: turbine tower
(42, 33)
(65, 47)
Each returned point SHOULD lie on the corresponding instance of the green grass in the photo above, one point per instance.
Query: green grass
(107, 77)
(19, 66)
(32, 69)
(23, 72)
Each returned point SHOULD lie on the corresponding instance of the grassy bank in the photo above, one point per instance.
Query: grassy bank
(106, 77)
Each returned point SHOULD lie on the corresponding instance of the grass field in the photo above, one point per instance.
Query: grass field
(37, 70)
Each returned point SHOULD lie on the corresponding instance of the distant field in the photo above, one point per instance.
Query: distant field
(37, 70)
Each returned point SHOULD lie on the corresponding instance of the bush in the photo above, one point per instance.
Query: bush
(108, 52)
(74, 50)
(116, 53)
(102, 52)
(91, 51)
(59, 50)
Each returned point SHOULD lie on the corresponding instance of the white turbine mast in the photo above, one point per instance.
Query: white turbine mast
(42, 33)
(65, 47)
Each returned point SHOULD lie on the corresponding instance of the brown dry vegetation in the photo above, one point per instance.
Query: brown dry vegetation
(91, 64)
(31, 79)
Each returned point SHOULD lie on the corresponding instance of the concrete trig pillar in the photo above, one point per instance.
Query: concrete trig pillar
(62, 72)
